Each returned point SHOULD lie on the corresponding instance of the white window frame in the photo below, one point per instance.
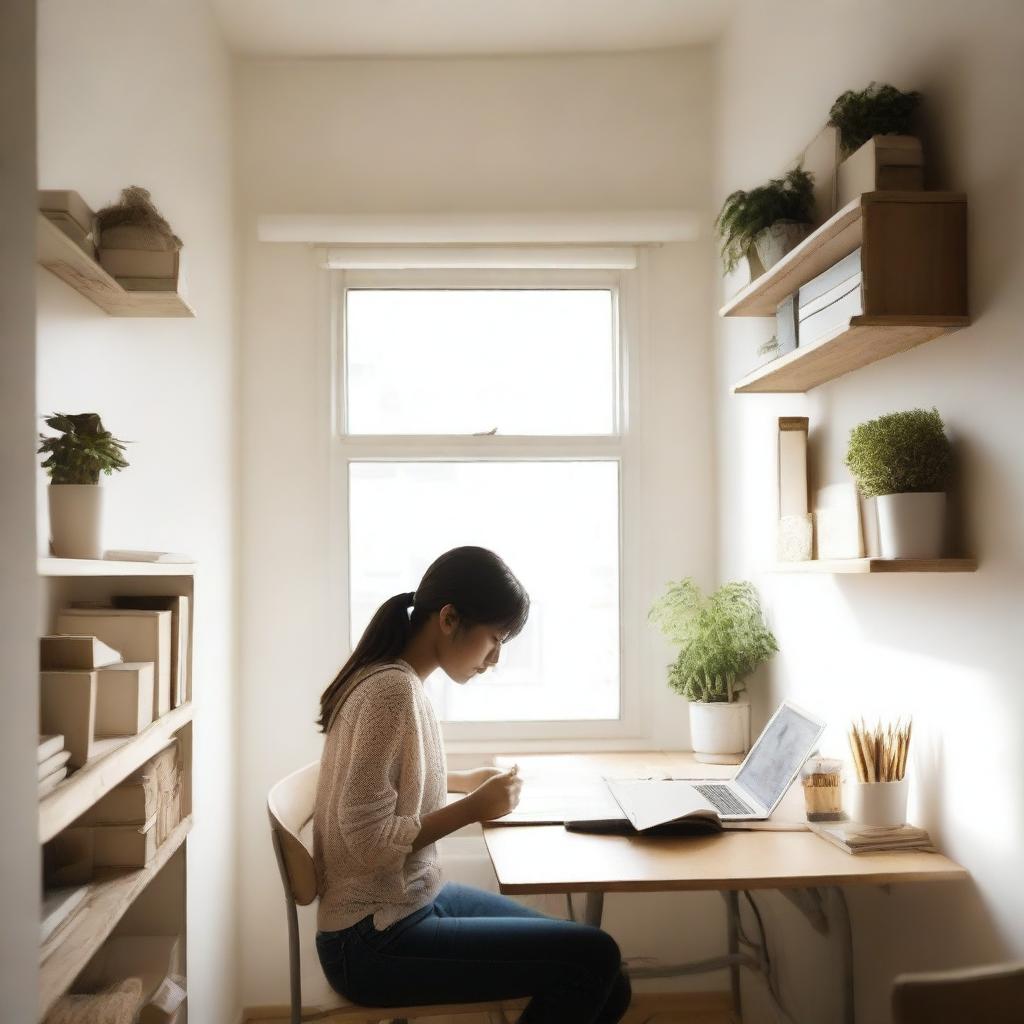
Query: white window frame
(627, 290)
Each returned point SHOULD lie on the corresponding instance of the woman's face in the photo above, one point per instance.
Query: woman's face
(467, 650)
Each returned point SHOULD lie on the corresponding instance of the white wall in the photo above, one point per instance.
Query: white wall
(943, 648)
(518, 134)
(141, 94)
(19, 651)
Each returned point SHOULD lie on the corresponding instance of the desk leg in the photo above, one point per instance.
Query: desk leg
(845, 931)
(732, 924)
(593, 909)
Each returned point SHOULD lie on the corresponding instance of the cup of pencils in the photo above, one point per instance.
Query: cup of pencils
(879, 797)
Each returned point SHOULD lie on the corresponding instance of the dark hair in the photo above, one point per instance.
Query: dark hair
(476, 581)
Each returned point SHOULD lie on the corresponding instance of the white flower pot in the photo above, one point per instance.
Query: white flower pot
(774, 242)
(879, 804)
(76, 520)
(720, 732)
(911, 525)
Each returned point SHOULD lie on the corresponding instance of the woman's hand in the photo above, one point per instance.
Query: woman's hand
(497, 795)
(476, 777)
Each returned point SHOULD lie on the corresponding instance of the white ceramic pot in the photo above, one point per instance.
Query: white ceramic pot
(76, 520)
(720, 731)
(879, 804)
(774, 242)
(911, 525)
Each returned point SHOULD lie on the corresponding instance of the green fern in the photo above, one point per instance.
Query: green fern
(744, 215)
(876, 110)
(722, 638)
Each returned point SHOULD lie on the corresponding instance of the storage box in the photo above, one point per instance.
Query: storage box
(156, 959)
(140, 263)
(67, 704)
(883, 163)
(124, 699)
(71, 651)
(139, 634)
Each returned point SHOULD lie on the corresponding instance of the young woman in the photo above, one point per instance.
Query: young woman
(390, 930)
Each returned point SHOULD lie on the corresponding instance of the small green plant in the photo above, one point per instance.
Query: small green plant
(82, 452)
(900, 453)
(876, 110)
(723, 638)
(745, 214)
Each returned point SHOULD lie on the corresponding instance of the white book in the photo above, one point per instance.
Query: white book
(51, 781)
(128, 555)
(793, 466)
(58, 906)
(50, 745)
(53, 763)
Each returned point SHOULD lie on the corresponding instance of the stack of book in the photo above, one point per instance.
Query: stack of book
(852, 837)
(69, 212)
(53, 762)
(827, 302)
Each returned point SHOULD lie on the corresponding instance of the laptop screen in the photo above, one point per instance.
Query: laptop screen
(780, 750)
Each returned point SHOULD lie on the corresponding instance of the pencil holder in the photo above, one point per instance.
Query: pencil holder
(879, 804)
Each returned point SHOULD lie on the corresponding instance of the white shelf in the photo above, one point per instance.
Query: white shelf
(110, 895)
(76, 794)
(49, 566)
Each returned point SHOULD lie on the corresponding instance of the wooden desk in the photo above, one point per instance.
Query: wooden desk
(547, 859)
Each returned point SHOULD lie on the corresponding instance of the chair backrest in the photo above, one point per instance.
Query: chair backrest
(993, 994)
(290, 806)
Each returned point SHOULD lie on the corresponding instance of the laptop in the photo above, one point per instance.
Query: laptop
(587, 802)
(762, 780)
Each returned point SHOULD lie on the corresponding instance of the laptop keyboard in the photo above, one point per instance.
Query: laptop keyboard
(723, 799)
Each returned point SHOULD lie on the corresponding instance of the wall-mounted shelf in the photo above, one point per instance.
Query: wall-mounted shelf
(49, 566)
(61, 256)
(865, 340)
(841, 566)
(913, 285)
(76, 794)
(110, 895)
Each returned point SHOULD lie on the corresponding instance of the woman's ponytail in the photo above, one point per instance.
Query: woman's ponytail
(473, 580)
(384, 638)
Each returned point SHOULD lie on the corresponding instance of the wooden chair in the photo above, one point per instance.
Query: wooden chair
(992, 994)
(290, 807)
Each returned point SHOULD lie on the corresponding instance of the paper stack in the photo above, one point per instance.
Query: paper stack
(852, 837)
(53, 762)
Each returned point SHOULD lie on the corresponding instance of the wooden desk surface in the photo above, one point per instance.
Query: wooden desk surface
(548, 859)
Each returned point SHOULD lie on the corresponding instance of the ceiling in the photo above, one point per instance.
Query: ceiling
(424, 28)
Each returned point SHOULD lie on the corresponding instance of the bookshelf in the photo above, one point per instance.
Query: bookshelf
(144, 901)
(62, 257)
(913, 256)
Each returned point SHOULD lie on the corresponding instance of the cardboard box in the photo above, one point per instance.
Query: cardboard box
(139, 634)
(66, 203)
(67, 704)
(124, 699)
(75, 651)
(884, 162)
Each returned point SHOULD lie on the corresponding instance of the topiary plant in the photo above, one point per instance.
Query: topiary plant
(83, 451)
(723, 637)
(876, 110)
(900, 453)
(135, 209)
(745, 214)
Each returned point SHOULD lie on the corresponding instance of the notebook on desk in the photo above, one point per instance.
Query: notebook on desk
(679, 806)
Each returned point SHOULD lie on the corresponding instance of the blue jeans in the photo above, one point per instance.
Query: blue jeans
(470, 946)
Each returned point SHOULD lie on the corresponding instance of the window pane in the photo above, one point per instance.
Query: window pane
(556, 524)
(472, 360)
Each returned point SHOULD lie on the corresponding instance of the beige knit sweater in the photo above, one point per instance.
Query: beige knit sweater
(383, 767)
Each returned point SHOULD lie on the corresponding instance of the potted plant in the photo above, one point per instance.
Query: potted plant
(766, 222)
(903, 461)
(875, 139)
(74, 462)
(722, 639)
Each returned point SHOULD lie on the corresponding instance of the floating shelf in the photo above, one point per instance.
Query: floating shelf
(865, 340)
(61, 256)
(76, 794)
(844, 232)
(841, 566)
(110, 894)
(49, 566)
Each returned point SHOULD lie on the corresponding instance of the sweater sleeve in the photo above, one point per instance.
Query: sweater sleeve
(384, 736)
